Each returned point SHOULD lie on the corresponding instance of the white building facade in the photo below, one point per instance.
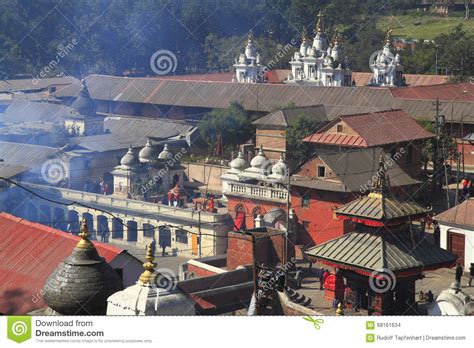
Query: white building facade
(249, 67)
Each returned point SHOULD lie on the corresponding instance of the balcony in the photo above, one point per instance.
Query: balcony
(257, 192)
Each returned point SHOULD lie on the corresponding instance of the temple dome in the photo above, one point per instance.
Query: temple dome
(280, 168)
(148, 153)
(239, 163)
(81, 284)
(129, 159)
(259, 160)
(84, 104)
(166, 154)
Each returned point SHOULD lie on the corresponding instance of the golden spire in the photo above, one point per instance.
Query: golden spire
(84, 243)
(320, 23)
(250, 36)
(336, 38)
(388, 37)
(149, 266)
(339, 310)
(304, 35)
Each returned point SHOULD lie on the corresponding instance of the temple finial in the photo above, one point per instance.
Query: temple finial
(381, 183)
(320, 23)
(149, 266)
(388, 37)
(84, 243)
(304, 35)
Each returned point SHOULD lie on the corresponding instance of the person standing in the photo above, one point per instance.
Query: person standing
(459, 271)
(471, 273)
(436, 233)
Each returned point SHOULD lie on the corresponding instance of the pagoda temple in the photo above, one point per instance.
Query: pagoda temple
(377, 265)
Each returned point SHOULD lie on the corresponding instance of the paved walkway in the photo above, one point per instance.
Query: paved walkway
(435, 281)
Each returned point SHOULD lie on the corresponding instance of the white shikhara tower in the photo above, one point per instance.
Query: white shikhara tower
(387, 67)
(322, 63)
(249, 67)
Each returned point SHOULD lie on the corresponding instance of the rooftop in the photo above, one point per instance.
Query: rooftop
(30, 252)
(365, 130)
(461, 215)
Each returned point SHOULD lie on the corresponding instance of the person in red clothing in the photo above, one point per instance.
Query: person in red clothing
(325, 276)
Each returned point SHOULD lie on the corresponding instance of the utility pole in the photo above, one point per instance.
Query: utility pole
(439, 156)
(287, 232)
(200, 234)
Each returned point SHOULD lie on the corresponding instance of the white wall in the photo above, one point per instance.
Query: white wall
(469, 242)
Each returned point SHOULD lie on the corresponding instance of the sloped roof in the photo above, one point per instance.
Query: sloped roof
(34, 84)
(30, 252)
(379, 207)
(451, 92)
(461, 215)
(255, 97)
(146, 127)
(372, 129)
(20, 111)
(412, 80)
(19, 157)
(357, 167)
(369, 252)
(287, 116)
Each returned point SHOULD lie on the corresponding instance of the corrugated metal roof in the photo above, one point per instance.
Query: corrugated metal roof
(412, 80)
(146, 127)
(287, 116)
(34, 84)
(257, 97)
(372, 129)
(25, 156)
(26, 111)
(380, 207)
(30, 252)
(460, 215)
(370, 251)
(451, 92)
(356, 168)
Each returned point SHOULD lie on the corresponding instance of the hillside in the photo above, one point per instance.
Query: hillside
(423, 27)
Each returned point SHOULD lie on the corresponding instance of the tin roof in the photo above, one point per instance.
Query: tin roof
(451, 92)
(287, 116)
(398, 127)
(26, 111)
(368, 252)
(461, 215)
(377, 206)
(30, 252)
(32, 84)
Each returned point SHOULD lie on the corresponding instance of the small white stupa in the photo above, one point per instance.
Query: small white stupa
(145, 298)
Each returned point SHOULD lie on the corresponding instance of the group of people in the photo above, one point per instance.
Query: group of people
(97, 187)
(466, 188)
(459, 273)
(323, 275)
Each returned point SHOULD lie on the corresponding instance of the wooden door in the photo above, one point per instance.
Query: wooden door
(456, 245)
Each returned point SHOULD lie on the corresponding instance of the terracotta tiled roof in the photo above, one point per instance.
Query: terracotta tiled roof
(29, 253)
(412, 80)
(372, 129)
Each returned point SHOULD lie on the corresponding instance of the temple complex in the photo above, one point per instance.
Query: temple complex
(321, 63)
(377, 265)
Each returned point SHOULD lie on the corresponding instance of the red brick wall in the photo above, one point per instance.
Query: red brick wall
(199, 272)
(269, 251)
(322, 222)
(249, 208)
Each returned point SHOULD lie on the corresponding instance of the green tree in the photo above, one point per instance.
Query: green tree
(298, 151)
(233, 124)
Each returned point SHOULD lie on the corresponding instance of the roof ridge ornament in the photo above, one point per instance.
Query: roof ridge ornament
(320, 23)
(149, 265)
(388, 37)
(382, 184)
(85, 242)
